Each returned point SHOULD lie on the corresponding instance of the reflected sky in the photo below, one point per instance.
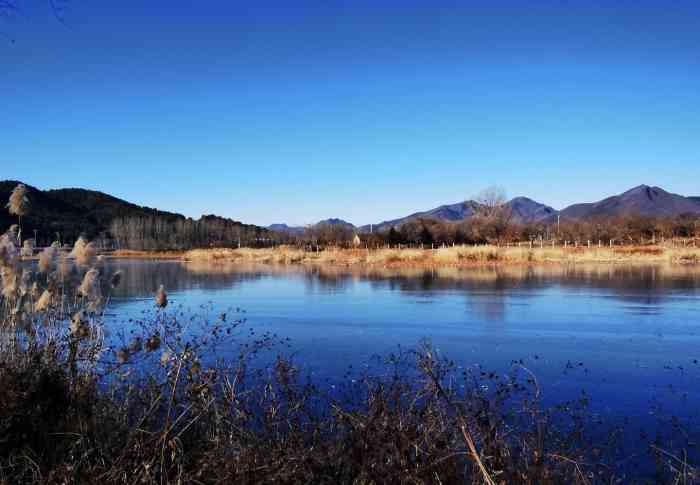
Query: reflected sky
(629, 336)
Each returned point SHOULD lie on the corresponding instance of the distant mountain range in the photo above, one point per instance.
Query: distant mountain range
(297, 230)
(524, 211)
(284, 228)
(72, 212)
(642, 200)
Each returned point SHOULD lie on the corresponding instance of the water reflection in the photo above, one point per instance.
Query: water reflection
(624, 278)
(141, 278)
(488, 291)
(628, 328)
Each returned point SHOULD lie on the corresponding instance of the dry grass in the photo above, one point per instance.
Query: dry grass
(132, 254)
(449, 256)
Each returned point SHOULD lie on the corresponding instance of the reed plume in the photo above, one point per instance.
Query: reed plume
(47, 260)
(136, 345)
(115, 280)
(161, 297)
(36, 291)
(9, 254)
(8, 276)
(44, 301)
(78, 246)
(18, 205)
(27, 248)
(90, 286)
(153, 343)
(79, 325)
(84, 252)
(123, 356)
(165, 357)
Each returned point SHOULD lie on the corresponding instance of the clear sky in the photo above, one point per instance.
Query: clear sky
(295, 111)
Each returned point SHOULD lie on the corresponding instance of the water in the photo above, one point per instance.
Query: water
(627, 336)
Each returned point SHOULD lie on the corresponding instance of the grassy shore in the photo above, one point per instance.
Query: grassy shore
(451, 256)
(133, 254)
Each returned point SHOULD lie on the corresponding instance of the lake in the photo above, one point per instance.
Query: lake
(627, 336)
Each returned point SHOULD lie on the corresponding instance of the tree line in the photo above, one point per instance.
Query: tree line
(480, 230)
(164, 233)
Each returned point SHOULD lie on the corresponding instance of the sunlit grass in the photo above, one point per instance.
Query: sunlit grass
(452, 255)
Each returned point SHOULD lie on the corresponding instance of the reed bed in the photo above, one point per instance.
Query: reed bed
(451, 256)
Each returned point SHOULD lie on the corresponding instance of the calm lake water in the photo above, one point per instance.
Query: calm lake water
(628, 336)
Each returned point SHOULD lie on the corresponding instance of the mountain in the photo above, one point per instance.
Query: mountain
(524, 210)
(448, 212)
(336, 222)
(285, 229)
(298, 230)
(72, 212)
(642, 200)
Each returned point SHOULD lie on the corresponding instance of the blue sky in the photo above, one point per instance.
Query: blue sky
(365, 110)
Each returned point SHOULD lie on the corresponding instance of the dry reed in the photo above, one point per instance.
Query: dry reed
(448, 256)
(19, 202)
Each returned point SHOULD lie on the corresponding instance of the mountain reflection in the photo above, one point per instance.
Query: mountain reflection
(486, 289)
(142, 278)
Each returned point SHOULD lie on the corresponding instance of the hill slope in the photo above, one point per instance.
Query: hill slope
(299, 230)
(447, 212)
(642, 200)
(524, 210)
(72, 212)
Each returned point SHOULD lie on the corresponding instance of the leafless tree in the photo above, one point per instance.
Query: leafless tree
(158, 233)
(493, 213)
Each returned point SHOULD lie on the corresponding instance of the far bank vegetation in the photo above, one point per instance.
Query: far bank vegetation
(491, 235)
(462, 255)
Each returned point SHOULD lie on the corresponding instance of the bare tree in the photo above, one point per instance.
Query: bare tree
(491, 202)
(494, 213)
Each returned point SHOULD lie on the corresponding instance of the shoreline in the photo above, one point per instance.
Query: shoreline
(454, 256)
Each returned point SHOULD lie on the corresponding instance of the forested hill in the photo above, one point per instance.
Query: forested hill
(72, 212)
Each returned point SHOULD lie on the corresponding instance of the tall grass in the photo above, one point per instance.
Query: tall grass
(451, 256)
